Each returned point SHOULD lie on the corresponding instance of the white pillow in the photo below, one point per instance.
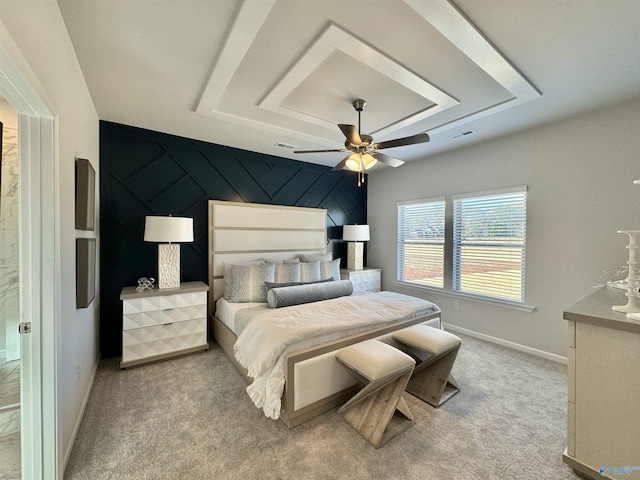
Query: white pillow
(287, 272)
(314, 257)
(310, 272)
(286, 260)
(330, 270)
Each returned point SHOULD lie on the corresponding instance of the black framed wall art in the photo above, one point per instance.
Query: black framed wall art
(85, 195)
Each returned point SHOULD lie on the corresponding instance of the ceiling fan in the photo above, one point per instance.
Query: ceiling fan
(363, 148)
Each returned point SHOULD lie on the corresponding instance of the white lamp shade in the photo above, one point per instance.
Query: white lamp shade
(355, 233)
(168, 229)
(357, 161)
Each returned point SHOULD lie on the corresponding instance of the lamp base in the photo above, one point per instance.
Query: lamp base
(169, 265)
(355, 251)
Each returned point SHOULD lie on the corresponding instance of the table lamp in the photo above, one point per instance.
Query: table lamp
(168, 231)
(355, 235)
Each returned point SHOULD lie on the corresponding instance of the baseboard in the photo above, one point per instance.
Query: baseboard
(76, 427)
(506, 343)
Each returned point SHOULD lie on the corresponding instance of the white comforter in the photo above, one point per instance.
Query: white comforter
(261, 346)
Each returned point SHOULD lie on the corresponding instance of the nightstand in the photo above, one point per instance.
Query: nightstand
(159, 324)
(365, 280)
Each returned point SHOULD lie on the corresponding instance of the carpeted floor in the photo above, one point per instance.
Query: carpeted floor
(190, 418)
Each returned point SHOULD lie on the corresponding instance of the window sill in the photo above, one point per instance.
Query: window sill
(472, 298)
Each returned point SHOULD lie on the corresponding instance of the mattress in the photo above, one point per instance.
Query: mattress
(236, 316)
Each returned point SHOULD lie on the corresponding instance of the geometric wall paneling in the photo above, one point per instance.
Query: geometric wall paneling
(150, 173)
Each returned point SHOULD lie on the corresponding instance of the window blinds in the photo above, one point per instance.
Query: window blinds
(421, 242)
(489, 243)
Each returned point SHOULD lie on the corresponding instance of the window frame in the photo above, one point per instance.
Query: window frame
(495, 199)
(448, 256)
(400, 266)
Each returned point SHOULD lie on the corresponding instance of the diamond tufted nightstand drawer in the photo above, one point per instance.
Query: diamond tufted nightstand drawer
(161, 317)
(159, 340)
(151, 304)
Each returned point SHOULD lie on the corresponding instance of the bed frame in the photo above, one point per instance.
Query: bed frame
(315, 381)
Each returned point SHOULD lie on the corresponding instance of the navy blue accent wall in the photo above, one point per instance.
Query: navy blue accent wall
(143, 172)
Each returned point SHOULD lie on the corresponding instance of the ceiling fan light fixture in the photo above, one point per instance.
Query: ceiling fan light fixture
(365, 154)
(357, 161)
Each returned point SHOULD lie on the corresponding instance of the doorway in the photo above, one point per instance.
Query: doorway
(10, 467)
(38, 265)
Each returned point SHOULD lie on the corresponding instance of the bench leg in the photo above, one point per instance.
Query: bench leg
(432, 382)
(379, 412)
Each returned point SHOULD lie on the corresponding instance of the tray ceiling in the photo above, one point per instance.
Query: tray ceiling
(307, 90)
(256, 74)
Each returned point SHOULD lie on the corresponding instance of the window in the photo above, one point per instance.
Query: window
(421, 242)
(489, 240)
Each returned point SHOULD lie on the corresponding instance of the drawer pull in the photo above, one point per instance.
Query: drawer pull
(165, 324)
(167, 309)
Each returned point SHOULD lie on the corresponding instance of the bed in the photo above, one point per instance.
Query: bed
(313, 380)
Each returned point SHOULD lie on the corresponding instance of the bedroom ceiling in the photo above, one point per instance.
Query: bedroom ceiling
(269, 75)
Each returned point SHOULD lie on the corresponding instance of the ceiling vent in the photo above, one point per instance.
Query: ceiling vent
(284, 145)
(466, 133)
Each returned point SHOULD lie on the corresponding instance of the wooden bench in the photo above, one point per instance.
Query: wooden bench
(434, 352)
(378, 412)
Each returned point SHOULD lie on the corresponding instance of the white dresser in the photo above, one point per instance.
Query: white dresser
(159, 324)
(603, 414)
(365, 280)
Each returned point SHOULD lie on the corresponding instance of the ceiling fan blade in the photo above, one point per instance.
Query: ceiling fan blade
(399, 142)
(319, 151)
(351, 132)
(386, 159)
(342, 164)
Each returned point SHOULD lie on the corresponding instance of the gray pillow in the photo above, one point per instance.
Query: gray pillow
(247, 282)
(330, 270)
(310, 272)
(270, 285)
(298, 294)
(226, 266)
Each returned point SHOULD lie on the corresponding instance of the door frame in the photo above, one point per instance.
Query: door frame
(39, 261)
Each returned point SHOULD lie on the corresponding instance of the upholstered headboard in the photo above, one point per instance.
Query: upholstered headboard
(241, 232)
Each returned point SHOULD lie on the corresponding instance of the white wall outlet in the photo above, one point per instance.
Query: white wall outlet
(456, 305)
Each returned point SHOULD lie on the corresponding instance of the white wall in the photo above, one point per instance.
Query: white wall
(580, 176)
(38, 29)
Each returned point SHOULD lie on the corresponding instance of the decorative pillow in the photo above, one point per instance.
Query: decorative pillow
(247, 282)
(318, 281)
(226, 266)
(310, 272)
(330, 270)
(325, 257)
(286, 260)
(296, 295)
(287, 272)
(270, 285)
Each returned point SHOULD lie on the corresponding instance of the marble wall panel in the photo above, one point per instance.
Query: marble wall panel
(9, 246)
